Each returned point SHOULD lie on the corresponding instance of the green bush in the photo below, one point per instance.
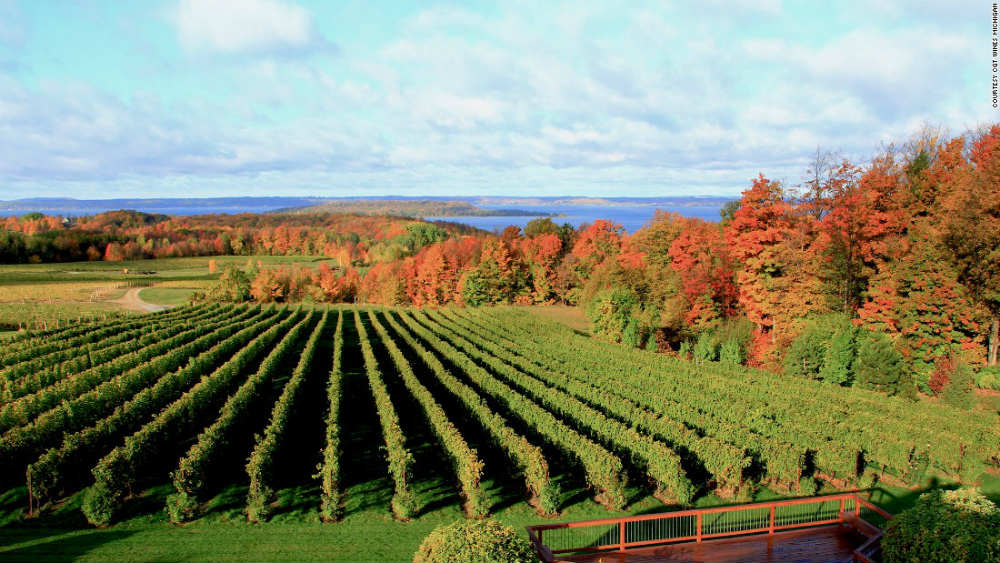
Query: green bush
(482, 541)
(651, 344)
(989, 378)
(99, 504)
(611, 313)
(632, 335)
(734, 336)
(182, 507)
(945, 527)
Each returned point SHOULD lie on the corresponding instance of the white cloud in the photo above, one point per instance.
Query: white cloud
(233, 26)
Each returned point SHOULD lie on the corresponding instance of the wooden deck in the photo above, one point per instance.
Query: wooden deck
(823, 529)
(828, 544)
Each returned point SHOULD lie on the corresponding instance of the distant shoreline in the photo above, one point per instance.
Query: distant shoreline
(461, 206)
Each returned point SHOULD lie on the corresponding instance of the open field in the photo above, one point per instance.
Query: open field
(40, 295)
(169, 296)
(414, 418)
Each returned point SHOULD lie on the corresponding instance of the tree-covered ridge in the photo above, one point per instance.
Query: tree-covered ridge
(131, 235)
(407, 208)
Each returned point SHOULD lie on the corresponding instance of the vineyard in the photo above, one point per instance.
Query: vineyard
(198, 399)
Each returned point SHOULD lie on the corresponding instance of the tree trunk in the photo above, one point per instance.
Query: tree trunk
(994, 344)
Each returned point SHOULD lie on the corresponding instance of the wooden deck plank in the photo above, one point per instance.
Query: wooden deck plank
(828, 544)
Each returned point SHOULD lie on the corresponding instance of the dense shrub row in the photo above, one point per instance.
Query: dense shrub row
(74, 411)
(724, 461)
(839, 425)
(42, 374)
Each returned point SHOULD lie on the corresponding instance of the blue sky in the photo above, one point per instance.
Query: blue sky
(281, 97)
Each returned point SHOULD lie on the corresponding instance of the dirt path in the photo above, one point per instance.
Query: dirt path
(133, 302)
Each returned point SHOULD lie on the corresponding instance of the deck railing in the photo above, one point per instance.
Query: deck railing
(705, 523)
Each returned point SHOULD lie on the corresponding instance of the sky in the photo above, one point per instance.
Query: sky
(206, 98)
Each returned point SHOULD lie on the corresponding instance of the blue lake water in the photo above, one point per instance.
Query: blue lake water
(632, 217)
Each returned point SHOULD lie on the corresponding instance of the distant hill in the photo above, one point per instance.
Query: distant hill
(408, 208)
(168, 206)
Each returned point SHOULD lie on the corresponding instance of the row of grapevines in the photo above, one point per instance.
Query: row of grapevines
(261, 466)
(190, 479)
(116, 472)
(27, 338)
(954, 447)
(660, 462)
(640, 382)
(399, 457)
(525, 455)
(467, 464)
(66, 345)
(329, 469)
(21, 410)
(21, 443)
(944, 428)
(46, 373)
(24, 409)
(20, 344)
(603, 469)
(784, 461)
(725, 462)
(836, 448)
(58, 468)
(114, 335)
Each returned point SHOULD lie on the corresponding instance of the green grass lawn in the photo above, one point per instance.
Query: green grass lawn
(573, 317)
(169, 296)
(367, 533)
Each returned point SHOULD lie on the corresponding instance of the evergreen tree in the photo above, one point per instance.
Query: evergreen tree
(879, 366)
(631, 336)
(959, 392)
(839, 361)
(732, 352)
(805, 355)
(705, 348)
